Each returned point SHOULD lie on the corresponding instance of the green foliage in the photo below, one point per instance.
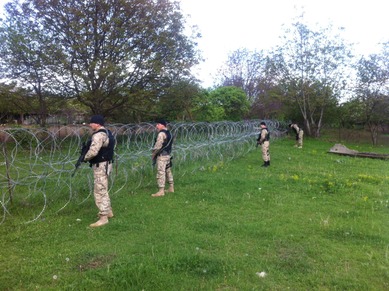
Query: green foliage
(352, 113)
(100, 52)
(372, 92)
(311, 221)
(311, 68)
(223, 103)
(178, 101)
(6, 97)
(249, 70)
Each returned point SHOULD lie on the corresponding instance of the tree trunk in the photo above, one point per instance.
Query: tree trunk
(373, 128)
(307, 127)
(319, 123)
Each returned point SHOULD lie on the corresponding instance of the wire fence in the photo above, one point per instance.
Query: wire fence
(37, 164)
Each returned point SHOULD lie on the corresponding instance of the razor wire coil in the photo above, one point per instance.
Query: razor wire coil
(37, 163)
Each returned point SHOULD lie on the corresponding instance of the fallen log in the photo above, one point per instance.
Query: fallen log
(343, 150)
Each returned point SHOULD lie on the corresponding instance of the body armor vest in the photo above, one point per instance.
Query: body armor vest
(167, 144)
(105, 153)
(267, 138)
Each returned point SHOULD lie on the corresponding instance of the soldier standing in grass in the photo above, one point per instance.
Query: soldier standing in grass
(161, 156)
(100, 157)
(264, 141)
(299, 135)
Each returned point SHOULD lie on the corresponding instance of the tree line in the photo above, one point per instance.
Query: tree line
(314, 78)
(131, 61)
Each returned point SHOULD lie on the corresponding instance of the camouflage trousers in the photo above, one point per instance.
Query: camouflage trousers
(101, 174)
(299, 140)
(163, 174)
(265, 151)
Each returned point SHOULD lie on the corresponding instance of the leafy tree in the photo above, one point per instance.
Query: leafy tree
(223, 103)
(372, 92)
(269, 104)
(22, 60)
(351, 113)
(254, 72)
(103, 52)
(21, 102)
(312, 71)
(17, 101)
(178, 101)
(246, 70)
(7, 107)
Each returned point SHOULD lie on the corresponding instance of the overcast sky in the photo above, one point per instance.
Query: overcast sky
(227, 25)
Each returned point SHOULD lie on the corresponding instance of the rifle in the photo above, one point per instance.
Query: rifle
(154, 161)
(84, 149)
(168, 165)
(155, 156)
(158, 152)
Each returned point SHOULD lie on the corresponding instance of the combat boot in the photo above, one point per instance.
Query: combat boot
(161, 192)
(103, 220)
(110, 214)
(171, 188)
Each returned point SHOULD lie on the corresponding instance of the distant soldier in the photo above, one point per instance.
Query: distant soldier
(299, 135)
(161, 156)
(100, 157)
(264, 141)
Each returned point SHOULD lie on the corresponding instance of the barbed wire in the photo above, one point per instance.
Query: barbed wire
(37, 164)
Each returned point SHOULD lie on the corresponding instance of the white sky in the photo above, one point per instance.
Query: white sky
(227, 25)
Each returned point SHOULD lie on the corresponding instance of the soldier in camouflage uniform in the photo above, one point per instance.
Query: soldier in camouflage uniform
(161, 155)
(100, 157)
(299, 135)
(264, 141)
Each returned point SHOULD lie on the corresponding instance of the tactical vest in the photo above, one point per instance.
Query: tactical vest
(167, 144)
(267, 138)
(105, 153)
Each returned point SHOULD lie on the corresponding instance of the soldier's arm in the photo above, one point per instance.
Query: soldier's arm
(158, 144)
(263, 136)
(97, 142)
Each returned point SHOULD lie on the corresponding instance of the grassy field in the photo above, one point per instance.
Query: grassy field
(311, 221)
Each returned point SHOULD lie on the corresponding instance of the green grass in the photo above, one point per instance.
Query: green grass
(312, 221)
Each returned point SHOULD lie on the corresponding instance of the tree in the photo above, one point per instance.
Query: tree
(312, 71)
(254, 72)
(23, 60)
(246, 70)
(19, 102)
(372, 92)
(178, 101)
(103, 52)
(223, 103)
(351, 113)
(269, 105)
(7, 107)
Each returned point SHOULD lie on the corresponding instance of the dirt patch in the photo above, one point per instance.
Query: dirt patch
(96, 263)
